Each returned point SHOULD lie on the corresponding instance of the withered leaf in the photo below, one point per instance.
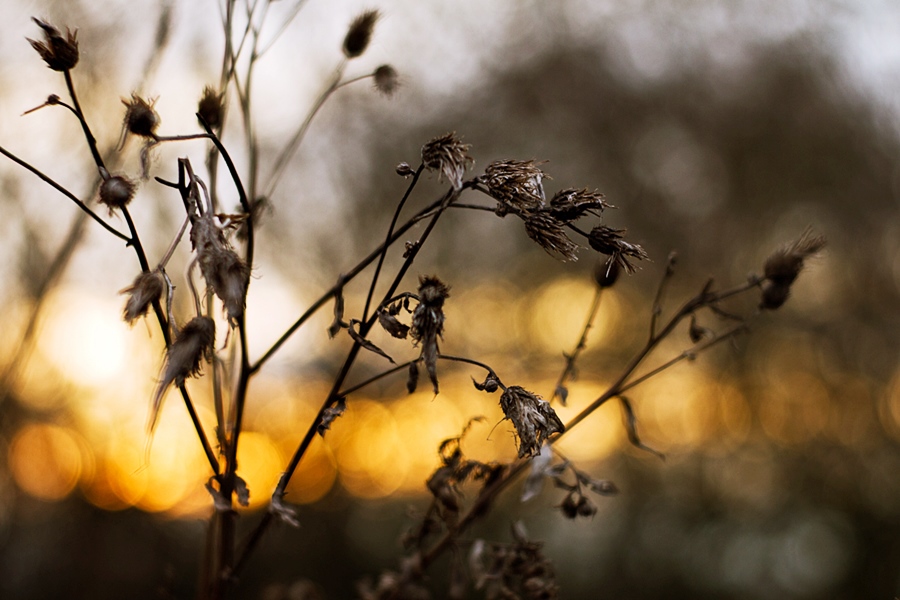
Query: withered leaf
(631, 427)
(392, 325)
(330, 414)
(364, 342)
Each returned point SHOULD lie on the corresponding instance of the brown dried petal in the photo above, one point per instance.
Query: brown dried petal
(570, 204)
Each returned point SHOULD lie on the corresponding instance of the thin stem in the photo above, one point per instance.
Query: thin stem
(65, 193)
(390, 232)
(569, 369)
(92, 143)
(330, 293)
(294, 143)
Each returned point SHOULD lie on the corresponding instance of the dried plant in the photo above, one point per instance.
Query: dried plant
(222, 247)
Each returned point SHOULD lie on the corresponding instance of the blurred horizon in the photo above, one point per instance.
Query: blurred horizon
(718, 130)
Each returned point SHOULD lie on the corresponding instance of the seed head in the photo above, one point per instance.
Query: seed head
(140, 118)
(386, 80)
(221, 267)
(60, 53)
(449, 157)
(570, 204)
(516, 184)
(607, 240)
(192, 344)
(533, 417)
(146, 288)
(784, 265)
(360, 33)
(210, 107)
(550, 235)
(116, 192)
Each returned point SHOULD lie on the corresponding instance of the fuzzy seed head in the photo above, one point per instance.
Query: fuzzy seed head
(360, 33)
(210, 107)
(116, 192)
(60, 53)
(607, 240)
(221, 267)
(146, 288)
(549, 234)
(533, 417)
(140, 118)
(449, 157)
(386, 80)
(784, 265)
(516, 184)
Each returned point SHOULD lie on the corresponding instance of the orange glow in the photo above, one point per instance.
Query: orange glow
(599, 435)
(796, 408)
(260, 464)
(370, 457)
(45, 461)
(315, 475)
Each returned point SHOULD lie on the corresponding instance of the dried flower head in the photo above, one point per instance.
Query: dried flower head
(532, 416)
(210, 107)
(116, 191)
(140, 118)
(60, 53)
(518, 570)
(784, 265)
(607, 240)
(570, 204)
(221, 267)
(428, 322)
(192, 344)
(449, 157)
(360, 33)
(386, 79)
(550, 235)
(516, 184)
(146, 288)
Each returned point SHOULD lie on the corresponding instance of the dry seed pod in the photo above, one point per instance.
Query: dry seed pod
(116, 192)
(140, 118)
(60, 53)
(360, 33)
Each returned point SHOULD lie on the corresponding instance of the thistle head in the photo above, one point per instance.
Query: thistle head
(58, 51)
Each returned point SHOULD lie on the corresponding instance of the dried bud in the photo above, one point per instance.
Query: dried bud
(404, 170)
(783, 267)
(193, 344)
(534, 419)
(360, 33)
(607, 272)
(428, 322)
(60, 53)
(449, 157)
(116, 192)
(386, 80)
(146, 288)
(140, 118)
(516, 184)
(570, 204)
(607, 240)
(550, 235)
(210, 107)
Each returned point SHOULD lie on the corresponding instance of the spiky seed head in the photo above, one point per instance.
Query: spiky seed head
(784, 265)
(210, 107)
(386, 80)
(449, 157)
(609, 241)
(532, 416)
(516, 184)
(60, 53)
(117, 191)
(549, 234)
(360, 33)
(140, 118)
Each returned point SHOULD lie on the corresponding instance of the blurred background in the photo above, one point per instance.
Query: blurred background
(718, 129)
